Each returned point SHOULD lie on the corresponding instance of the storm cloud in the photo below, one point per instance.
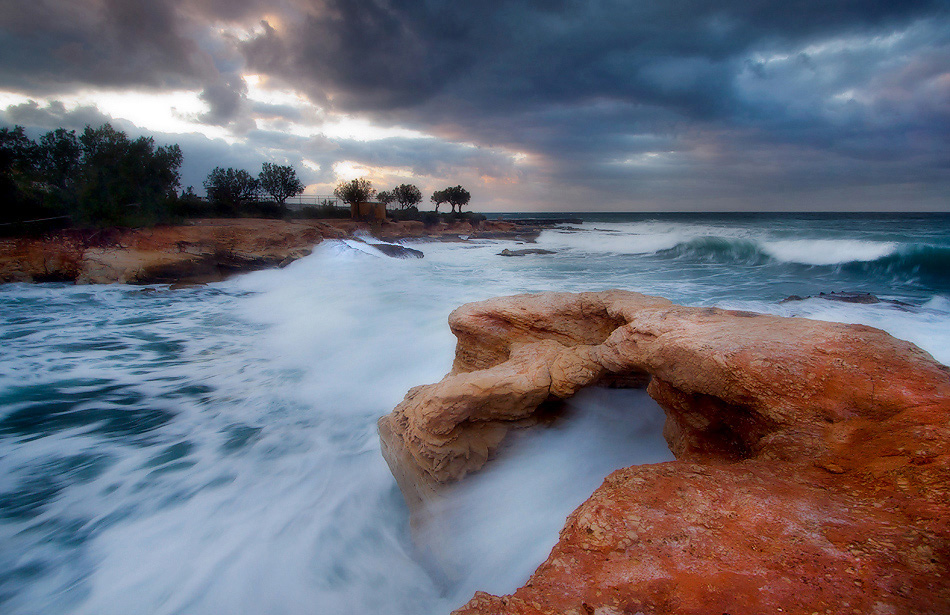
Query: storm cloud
(685, 104)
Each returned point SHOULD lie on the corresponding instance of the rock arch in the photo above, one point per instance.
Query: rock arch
(778, 419)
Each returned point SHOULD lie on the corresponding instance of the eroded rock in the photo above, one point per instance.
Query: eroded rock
(813, 458)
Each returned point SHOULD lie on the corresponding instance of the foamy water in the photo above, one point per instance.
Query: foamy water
(214, 449)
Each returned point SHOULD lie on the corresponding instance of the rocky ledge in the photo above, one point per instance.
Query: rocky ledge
(812, 469)
(202, 251)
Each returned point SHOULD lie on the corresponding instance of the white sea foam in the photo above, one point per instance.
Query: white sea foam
(303, 511)
(827, 251)
(260, 487)
(609, 241)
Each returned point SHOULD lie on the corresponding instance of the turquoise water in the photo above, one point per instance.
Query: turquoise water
(213, 449)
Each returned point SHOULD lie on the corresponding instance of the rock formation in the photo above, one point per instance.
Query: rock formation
(203, 250)
(507, 252)
(812, 468)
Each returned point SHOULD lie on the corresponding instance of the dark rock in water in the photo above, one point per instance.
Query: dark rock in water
(397, 251)
(847, 297)
(507, 252)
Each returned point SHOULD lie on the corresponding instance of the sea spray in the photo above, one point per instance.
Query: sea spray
(212, 448)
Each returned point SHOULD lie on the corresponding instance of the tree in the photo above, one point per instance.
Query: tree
(280, 182)
(230, 186)
(101, 176)
(59, 155)
(438, 197)
(17, 152)
(353, 193)
(17, 169)
(407, 195)
(123, 181)
(385, 197)
(457, 196)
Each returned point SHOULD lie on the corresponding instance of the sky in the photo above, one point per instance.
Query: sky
(597, 105)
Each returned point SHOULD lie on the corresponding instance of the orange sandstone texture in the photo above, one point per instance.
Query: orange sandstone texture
(813, 458)
(200, 251)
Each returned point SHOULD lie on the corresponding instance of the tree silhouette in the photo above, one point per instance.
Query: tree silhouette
(407, 195)
(457, 196)
(438, 197)
(353, 193)
(279, 181)
(231, 187)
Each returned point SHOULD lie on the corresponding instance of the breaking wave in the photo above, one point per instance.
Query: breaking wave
(887, 260)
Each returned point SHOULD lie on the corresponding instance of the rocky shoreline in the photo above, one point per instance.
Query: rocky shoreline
(812, 470)
(205, 250)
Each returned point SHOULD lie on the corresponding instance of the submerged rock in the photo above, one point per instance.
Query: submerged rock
(812, 463)
(507, 252)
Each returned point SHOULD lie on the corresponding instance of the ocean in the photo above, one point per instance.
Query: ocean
(213, 449)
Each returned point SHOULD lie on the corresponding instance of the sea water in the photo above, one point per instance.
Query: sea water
(213, 449)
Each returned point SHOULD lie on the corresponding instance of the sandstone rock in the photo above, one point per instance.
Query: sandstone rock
(200, 251)
(813, 458)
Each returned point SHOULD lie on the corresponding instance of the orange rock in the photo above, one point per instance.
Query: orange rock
(200, 251)
(813, 458)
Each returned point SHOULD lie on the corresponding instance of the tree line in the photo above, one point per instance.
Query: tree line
(235, 186)
(408, 196)
(101, 177)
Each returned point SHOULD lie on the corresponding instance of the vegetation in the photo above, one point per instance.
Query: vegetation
(231, 187)
(407, 195)
(457, 196)
(280, 182)
(101, 177)
(355, 192)
(385, 198)
(438, 197)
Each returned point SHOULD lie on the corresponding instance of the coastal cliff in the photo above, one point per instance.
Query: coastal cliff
(812, 468)
(203, 250)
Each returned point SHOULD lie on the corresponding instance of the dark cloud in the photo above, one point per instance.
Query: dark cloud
(677, 102)
(227, 103)
(52, 46)
(590, 85)
(53, 115)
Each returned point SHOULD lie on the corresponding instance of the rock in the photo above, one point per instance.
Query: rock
(812, 463)
(206, 250)
(507, 252)
(397, 251)
(847, 297)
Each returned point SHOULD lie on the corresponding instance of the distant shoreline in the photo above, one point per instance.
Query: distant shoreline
(206, 250)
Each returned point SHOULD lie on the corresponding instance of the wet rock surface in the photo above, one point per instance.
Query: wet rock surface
(397, 251)
(812, 468)
(525, 252)
(847, 297)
